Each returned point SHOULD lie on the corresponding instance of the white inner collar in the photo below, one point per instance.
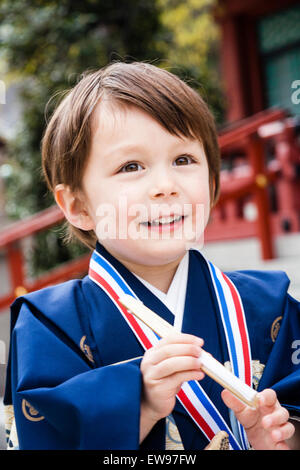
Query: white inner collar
(174, 299)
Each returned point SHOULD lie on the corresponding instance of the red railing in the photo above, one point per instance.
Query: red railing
(248, 182)
(11, 243)
(265, 176)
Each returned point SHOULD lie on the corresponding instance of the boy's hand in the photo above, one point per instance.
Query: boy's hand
(174, 360)
(267, 427)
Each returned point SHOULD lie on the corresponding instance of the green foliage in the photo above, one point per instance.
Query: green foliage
(47, 45)
(190, 47)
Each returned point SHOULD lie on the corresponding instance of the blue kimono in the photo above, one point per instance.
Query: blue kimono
(71, 389)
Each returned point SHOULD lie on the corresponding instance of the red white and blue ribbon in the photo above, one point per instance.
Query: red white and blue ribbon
(236, 333)
(191, 395)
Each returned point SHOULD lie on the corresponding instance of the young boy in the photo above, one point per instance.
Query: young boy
(131, 156)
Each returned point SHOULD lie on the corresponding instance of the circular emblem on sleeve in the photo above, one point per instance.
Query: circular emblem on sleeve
(275, 328)
(30, 412)
(86, 349)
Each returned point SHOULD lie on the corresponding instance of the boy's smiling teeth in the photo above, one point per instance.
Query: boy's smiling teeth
(164, 220)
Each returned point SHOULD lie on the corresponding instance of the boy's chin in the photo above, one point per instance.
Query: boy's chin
(149, 252)
(171, 244)
(163, 251)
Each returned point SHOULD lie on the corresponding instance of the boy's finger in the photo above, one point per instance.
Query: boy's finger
(283, 432)
(174, 365)
(246, 416)
(172, 350)
(267, 398)
(232, 402)
(181, 338)
(277, 418)
(175, 381)
(282, 446)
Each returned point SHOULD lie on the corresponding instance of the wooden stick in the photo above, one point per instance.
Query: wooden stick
(210, 366)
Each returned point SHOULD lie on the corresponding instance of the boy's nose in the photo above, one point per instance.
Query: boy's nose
(163, 187)
(157, 194)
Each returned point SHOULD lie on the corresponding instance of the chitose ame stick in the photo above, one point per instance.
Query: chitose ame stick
(210, 366)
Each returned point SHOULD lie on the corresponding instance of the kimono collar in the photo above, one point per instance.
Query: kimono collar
(145, 294)
(174, 299)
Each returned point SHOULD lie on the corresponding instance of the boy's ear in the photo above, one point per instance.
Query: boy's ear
(212, 193)
(73, 207)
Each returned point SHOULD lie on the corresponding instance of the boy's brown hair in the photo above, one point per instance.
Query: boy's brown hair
(161, 94)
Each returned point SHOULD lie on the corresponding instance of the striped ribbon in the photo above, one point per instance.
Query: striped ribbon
(236, 333)
(191, 395)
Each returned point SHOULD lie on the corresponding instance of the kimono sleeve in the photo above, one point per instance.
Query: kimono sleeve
(60, 402)
(282, 371)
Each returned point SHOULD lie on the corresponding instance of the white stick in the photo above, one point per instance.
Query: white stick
(210, 366)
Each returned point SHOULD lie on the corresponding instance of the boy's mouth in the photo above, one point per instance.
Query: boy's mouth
(166, 220)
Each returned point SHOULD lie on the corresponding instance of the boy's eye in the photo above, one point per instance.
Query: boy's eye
(130, 167)
(184, 160)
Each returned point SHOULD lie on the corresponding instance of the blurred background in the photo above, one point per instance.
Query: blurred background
(244, 59)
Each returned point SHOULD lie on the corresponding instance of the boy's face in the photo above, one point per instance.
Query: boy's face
(146, 191)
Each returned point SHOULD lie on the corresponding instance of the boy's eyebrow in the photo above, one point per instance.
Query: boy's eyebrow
(113, 155)
(122, 148)
(125, 148)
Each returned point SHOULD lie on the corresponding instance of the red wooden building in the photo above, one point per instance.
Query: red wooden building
(260, 55)
(260, 70)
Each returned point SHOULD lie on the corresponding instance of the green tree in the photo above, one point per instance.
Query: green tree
(47, 45)
(190, 45)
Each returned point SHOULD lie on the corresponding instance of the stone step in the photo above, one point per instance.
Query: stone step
(245, 254)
